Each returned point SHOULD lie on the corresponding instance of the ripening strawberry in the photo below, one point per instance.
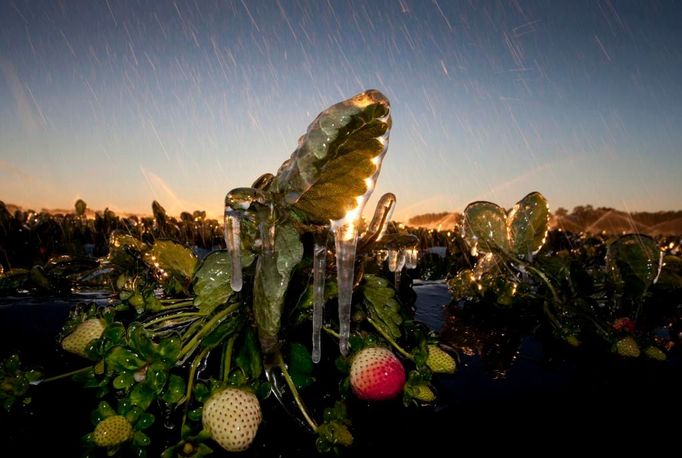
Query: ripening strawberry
(440, 362)
(112, 431)
(232, 417)
(376, 374)
(80, 338)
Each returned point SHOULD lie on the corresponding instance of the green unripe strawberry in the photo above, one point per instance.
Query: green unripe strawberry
(423, 393)
(440, 362)
(112, 431)
(82, 336)
(627, 346)
(232, 417)
(655, 353)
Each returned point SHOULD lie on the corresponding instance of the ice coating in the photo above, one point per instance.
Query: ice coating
(392, 260)
(411, 255)
(345, 241)
(382, 216)
(299, 172)
(233, 243)
(319, 267)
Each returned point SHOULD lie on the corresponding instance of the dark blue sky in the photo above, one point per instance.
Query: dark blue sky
(122, 102)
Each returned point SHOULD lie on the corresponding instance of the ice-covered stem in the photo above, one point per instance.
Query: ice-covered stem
(319, 270)
(382, 216)
(205, 330)
(61, 376)
(345, 239)
(294, 392)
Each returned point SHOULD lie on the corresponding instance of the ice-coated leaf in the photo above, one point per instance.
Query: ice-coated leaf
(528, 223)
(123, 248)
(485, 226)
(334, 159)
(634, 259)
(271, 282)
(381, 305)
(175, 389)
(300, 365)
(121, 359)
(212, 281)
(156, 377)
(142, 395)
(171, 258)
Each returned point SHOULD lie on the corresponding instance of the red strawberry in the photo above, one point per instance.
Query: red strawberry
(376, 374)
(232, 417)
(624, 324)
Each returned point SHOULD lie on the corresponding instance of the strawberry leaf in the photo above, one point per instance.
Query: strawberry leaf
(327, 172)
(485, 226)
(528, 224)
(212, 281)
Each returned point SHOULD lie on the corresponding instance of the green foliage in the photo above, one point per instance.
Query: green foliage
(15, 382)
(381, 305)
(211, 284)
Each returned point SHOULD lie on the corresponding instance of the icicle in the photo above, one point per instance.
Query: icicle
(319, 268)
(400, 264)
(411, 258)
(392, 259)
(237, 202)
(233, 242)
(346, 240)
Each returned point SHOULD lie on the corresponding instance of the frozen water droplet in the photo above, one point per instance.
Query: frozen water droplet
(319, 267)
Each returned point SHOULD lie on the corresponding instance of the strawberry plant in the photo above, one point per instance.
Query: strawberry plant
(294, 305)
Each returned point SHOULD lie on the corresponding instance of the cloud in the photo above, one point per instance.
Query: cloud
(165, 195)
(24, 106)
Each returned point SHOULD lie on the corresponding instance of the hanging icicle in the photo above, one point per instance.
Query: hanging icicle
(411, 256)
(345, 240)
(233, 243)
(319, 268)
(237, 202)
(400, 264)
(392, 259)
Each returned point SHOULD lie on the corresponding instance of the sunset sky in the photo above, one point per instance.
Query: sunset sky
(123, 102)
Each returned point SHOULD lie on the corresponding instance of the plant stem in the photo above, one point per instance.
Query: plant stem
(204, 331)
(331, 332)
(171, 317)
(294, 392)
(390, 340)
(190, 384)
(173, 303)
(61, 376)
(227, 357)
